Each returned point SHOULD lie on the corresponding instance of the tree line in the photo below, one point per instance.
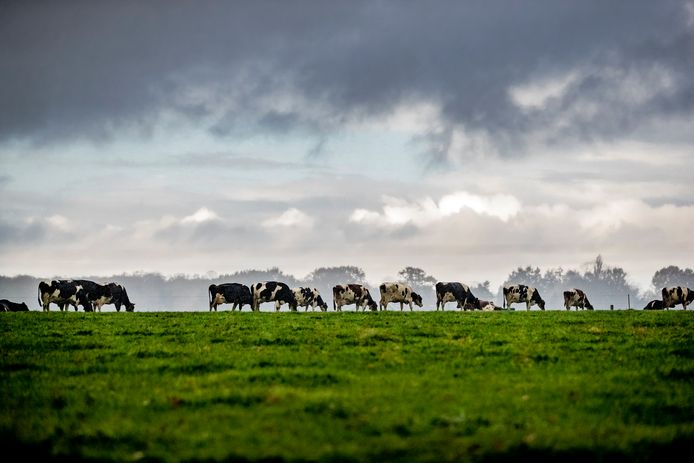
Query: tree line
(605, 285)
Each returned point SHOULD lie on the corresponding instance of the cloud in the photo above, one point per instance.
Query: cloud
(398, 212)
(291, 218)
(201, 215)
(32, 230)
(244, 68)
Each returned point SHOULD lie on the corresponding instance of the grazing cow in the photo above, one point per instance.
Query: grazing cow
(309, 297)
(62, 293)
(398, 292)
(479, 304)
(119, 296)
(454, 292)
(230, 293)
(270, 291)
(358, 295)
(522, 293)
(677, 295)
(97, 294)
(9, 306)
(576, 298)
(655, 304)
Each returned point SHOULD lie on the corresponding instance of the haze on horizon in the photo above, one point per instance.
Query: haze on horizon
(464, 138)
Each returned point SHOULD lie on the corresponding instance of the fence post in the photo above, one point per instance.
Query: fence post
(629, 301)
(611, 306)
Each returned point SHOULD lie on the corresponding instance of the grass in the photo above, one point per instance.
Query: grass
(425, 386)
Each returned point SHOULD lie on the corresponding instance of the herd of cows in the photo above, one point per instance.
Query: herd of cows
(93, 296)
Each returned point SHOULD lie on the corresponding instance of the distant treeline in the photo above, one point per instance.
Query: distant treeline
(603, 284)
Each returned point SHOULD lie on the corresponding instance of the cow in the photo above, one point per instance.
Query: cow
(677, 295)
(230, 293)
(655, 304)
(309, 297)
(358, 295)
(522, 293)
(479, 304)
(576, 298)
(454, 292)
(398, 292)
(270, 291)
(9, 306)
(119, 296)
(62, 293)
(97, 294)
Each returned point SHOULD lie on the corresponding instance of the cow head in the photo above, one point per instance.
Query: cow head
(130, 307)
(321, 303)
(589, 306)
(371, 304)
(23, 307)
(417, 299)
(690, 295)
(538, 299)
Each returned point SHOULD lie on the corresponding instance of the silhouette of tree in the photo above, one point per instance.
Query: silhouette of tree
(672, 276)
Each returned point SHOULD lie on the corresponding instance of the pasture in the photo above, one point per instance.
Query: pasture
(422, 386)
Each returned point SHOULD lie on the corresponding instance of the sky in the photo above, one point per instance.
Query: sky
(465, 138)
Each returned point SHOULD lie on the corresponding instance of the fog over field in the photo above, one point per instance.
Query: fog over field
(467, 139)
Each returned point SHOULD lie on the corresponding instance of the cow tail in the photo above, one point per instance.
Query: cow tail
(39, 296)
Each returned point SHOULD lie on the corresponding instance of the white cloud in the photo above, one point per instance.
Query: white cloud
(501, 206)
(201, 215)
(398, 212)
(292, 217)
(536, 94)
(59, 222)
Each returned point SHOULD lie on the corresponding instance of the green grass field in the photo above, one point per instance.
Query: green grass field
(423, 386)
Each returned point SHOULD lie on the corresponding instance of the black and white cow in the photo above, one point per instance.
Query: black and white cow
(97, 294)
(677, 295)
(479, 304)
(358, 295)
(9, 306)
(270, 291)
(454, 292)
(398, 292)
(655, 304)
(576, 298)
(62, 293)
(119, 296)
(309, 297)
(522, 293)
(230, 293)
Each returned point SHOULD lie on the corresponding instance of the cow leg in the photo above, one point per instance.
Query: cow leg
(527, 305)
(410, 306)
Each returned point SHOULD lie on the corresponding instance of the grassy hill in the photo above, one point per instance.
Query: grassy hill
(422, 386)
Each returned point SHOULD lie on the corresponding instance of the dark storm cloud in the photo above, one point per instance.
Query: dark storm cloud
(74, 69)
